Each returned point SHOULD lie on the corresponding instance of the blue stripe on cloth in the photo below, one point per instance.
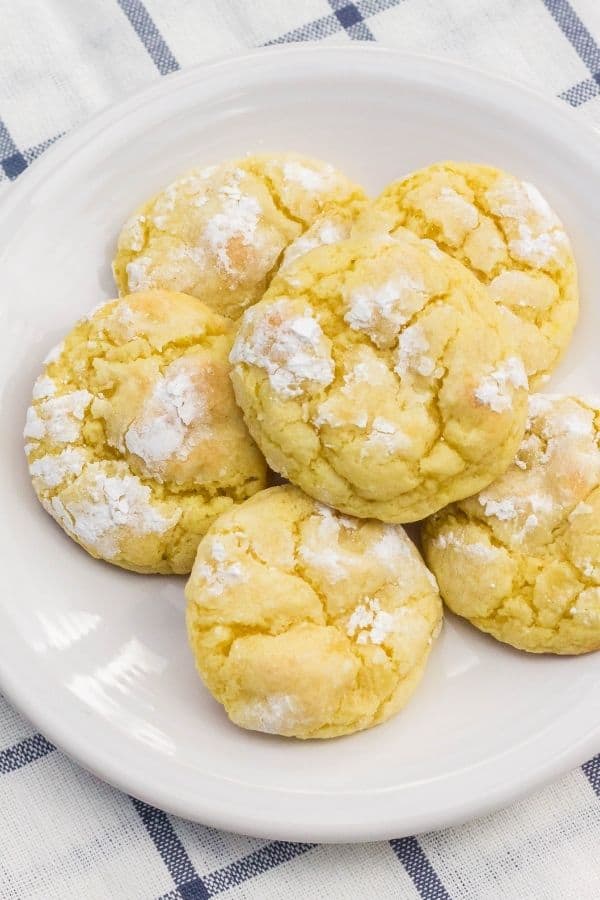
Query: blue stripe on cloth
(346, 16)
(351, 20)
(173, 853)
(33, 152)
(12, 160)
(372, 7)
(591, 770)
(7, 145)
(142, 23)
(312, 31)
(267, 857)
(425, 878)
(25, 752)
(580, 93)
(576, 33)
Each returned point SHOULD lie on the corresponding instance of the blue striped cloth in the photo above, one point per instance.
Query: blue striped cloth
(63, 833)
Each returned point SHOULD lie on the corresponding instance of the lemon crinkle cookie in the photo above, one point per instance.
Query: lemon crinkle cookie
(133, 438)
(521, 560)
(503, 229)
(305, 623)
(379, 377)
(219, 233)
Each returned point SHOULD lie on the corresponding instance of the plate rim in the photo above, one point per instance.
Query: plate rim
(100, 758)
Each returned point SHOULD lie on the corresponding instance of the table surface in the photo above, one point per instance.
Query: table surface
(63, 832)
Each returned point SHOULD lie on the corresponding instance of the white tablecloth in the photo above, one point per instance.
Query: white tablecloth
(63, 833)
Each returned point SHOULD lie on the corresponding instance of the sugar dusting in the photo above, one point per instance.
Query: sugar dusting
(392, 546)
(504, 509)
(163, 430)
(318, 235)
(454, 204)
(385, 435)
(539, 232)
(381, 311)
(476, 549)
(274, 714)
(44, 386)
(413, 347)
(220, 573)
(58, 418)
(369, 623)
(51, 470)
(132, 235)
(496, 389)
(289, 346)
(238, 217)
(35, 427)
(321, 549)
(307, 178)
(108, 509)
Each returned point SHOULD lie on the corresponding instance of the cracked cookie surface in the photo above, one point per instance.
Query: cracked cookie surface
(378, 376)
(521, 560)
(505, 232)
(220, 233)
(133, 438)
(309, 624)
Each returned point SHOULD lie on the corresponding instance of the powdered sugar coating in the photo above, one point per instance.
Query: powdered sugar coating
(275, 714)
(453, 206)
(309, 644)
(58, 418)
(385, 435)
(133, 439)
(307, 177)
(400, 407)
(289, 345)
(112, 506)
(53, 469)
(138, 274)
(539, 521)
(506, 233)
(413, 348)
(494, 390)
(478, 550)
(238, 218)
(220, 232)
(170, 421)
(381, 310)
(43, 386)
(326, 230)
(221, 573)
(369, 623)
(539, 232)
(323, 547)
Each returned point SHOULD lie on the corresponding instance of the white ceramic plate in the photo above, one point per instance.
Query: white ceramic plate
(97, 657)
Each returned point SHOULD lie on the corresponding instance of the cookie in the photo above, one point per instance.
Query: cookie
(521, 560)
(379, 377)
(308, 624)
(219, 233)
(509, 237)
(133, 438)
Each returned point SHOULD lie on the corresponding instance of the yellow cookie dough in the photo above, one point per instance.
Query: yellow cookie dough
(219, 233)
(521, 560)
(379, 377)
(506, 233)
(133, 438)
(309, 624)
